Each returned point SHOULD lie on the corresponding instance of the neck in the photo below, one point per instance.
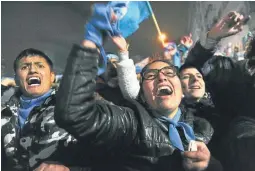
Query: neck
(166, 113)
(172, 114)
(192, 100)
(27, 97)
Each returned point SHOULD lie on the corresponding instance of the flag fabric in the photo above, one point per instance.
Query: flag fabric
(131, 14)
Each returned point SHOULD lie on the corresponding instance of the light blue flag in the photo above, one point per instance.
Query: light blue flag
(130, 14)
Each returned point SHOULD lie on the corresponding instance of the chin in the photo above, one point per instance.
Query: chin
(167, 106)
(34, 94)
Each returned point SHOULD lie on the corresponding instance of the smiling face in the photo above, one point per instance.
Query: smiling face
(34, 76)
(193, 84)
(163, 93)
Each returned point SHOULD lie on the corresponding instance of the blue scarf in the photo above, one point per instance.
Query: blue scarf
(27, 104)
(174, 136)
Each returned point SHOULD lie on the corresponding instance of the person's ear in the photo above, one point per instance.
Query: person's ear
(52, 77)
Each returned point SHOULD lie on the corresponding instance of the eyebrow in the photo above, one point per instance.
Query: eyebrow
(192, 74)
(30, 63)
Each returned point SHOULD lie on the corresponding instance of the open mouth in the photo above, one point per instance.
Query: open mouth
(164, 91)
(34, 81)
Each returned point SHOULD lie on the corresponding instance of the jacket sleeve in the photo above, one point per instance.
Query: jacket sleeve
(77, 111)
(198, 55)
(128, 82)
(217, 70)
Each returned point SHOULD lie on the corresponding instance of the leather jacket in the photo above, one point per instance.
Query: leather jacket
(122, 138)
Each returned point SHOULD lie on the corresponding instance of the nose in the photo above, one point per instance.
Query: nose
(32, 69)
(194, 79)
(161, 77)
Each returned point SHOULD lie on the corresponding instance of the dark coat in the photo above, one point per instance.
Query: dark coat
(122, 138)
(232, 86)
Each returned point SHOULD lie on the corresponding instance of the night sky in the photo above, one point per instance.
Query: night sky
(54, 26)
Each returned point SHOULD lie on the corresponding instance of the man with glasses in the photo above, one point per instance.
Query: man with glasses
(150, 134)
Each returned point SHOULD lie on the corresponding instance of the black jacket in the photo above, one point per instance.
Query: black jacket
(231, 83)
(122, 138)
(206, 109)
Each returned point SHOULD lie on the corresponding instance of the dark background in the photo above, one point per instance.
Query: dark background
(54, 26)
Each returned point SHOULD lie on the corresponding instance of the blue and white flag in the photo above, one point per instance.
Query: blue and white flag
(130, 14)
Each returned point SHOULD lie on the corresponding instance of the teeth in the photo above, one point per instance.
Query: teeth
(34, 81)
(161, 90)
(164, 87)
(33, 78)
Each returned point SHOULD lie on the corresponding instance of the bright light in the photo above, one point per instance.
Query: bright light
(162, 37)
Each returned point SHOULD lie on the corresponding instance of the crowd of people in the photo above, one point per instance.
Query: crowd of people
(163, 113)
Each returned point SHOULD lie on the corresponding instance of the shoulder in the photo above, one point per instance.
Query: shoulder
(202, 128)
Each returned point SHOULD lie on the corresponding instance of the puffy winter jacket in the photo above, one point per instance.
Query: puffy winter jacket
(40, 140)
(122, 138)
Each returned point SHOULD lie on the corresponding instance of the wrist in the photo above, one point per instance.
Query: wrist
(89, 44)
(208, 42)
(123, 55)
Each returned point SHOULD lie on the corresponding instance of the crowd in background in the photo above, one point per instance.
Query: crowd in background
(189, 108)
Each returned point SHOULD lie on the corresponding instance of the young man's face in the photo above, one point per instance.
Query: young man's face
(163, 93)
(193, 85)
(34, 76)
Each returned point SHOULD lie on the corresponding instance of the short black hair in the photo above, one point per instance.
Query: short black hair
(189, 65)
(31, 52)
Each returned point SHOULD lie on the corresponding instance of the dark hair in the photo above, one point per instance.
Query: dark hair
(31, 52)
(156, 60)
(250, 51)
(188, 65)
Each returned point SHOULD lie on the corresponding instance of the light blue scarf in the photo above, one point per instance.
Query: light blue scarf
(174, 136)
(27, 104)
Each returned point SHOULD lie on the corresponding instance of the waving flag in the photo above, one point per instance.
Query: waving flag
(130, 14)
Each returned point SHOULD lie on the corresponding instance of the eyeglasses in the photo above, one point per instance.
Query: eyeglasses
(151, 74)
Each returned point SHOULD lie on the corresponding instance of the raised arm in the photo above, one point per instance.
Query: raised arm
(128, 82)
(77, 111)
(204, 49)
(216, 69)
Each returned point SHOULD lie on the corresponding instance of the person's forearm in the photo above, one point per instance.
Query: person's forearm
(75, 102)
(128, 82)
(202, 51)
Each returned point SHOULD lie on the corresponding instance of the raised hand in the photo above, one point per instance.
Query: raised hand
(229, 25)
(121, 43)
(187, 40)
(8, 82)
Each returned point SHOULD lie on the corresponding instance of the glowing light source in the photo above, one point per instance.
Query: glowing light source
(162, 37)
